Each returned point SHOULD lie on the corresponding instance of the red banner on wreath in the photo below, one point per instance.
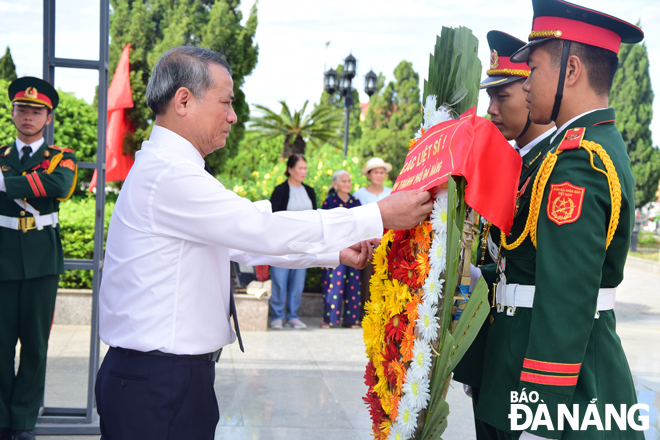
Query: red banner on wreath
(471, 147)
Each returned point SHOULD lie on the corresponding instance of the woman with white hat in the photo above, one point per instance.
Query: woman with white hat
(376, 171)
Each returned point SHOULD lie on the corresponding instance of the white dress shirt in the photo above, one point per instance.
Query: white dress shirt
(570, 121)
(527, 148)
(19, 147)
(172, 234)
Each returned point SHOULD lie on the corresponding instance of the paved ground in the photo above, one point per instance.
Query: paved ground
(308, 384)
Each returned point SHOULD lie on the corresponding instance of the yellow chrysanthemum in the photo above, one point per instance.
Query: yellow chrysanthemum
(393, 304)
(371, 336)
(386, 402)
(403, 295)
(385, 429)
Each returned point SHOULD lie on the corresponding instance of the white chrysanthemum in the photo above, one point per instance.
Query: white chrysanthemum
(416, 391)
(432, 287)
(421, 361)
(440, 115)
(430, 107)
(439, 213)
(438, 252)
(419, 133)
(397, 433)
(407, 419)
(427, 322)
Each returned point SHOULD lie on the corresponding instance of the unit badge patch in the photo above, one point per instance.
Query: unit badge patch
(68, 163)
(565, 203)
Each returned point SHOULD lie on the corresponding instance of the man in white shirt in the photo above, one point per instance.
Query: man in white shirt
(165, 299)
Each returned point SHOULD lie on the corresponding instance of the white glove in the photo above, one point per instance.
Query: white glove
(468, 390)
(475, 273)
(527, 436)
(3, 188)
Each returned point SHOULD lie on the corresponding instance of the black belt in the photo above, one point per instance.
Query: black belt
(211, 357)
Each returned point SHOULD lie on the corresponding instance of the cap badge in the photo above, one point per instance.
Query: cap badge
(31, 93)
(494, 60)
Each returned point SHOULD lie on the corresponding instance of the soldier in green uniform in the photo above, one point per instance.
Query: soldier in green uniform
(34, 178)
(554, 366)
(508, 112)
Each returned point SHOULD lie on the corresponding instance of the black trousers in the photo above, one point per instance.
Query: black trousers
(141, 396)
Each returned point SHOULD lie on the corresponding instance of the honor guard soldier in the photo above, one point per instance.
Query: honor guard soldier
(551, 344)
(508, 112)
(35, 177)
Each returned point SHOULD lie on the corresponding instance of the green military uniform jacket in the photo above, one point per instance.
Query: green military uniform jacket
(469, 370)
(557, 348)
(47, 176)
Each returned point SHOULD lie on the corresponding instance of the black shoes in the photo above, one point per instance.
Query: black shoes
(5, 434)
(23, 435)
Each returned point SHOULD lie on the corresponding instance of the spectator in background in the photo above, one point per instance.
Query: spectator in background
(341, 285)
(376, 171)
(288, 284)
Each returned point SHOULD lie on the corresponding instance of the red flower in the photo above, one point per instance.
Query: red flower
(395, 327)
(391, 353)
(370, 378)
(407, 274)
(376, 410)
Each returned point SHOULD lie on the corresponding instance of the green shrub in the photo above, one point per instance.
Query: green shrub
(313, 280)
(648, 239)
(77, 230)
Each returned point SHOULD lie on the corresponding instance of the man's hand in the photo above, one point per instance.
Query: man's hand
(357, 256)
(405, 209)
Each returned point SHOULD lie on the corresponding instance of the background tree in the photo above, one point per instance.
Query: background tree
(337, 99)
(632, 98)
(393, 118)
(7, 67)
(154, 26)
(319, 126)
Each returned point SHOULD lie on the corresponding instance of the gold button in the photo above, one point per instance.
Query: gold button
(22, 213)
(492, 319)
(367, 235)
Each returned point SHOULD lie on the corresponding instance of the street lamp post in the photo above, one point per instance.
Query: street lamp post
(344, 85)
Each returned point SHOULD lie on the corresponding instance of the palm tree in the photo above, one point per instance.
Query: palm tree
(321, 125)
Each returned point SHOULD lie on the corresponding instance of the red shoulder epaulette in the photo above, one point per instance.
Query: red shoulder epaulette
(572, 139)
(66, 150)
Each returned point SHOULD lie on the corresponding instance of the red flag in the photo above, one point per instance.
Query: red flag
(118, 164)
(471, 147)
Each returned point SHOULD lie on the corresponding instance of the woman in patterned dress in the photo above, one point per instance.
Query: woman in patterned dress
(341, 285)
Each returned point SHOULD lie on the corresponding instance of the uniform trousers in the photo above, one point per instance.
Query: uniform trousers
(341, 290)
(483, 430)
(26, 314)
(140, 396)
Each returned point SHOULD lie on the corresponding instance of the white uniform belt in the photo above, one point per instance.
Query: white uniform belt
(27, 223)
(516, 295)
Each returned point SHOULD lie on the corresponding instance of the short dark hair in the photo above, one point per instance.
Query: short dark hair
(601, 64)
(184, 66)
(292, 161)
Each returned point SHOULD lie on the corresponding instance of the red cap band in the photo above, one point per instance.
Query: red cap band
(574, 30)
(20, 96)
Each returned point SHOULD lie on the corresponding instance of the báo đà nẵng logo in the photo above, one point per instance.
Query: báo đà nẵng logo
(569, 416)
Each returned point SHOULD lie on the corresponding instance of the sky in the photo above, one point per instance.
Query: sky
(293, 37)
